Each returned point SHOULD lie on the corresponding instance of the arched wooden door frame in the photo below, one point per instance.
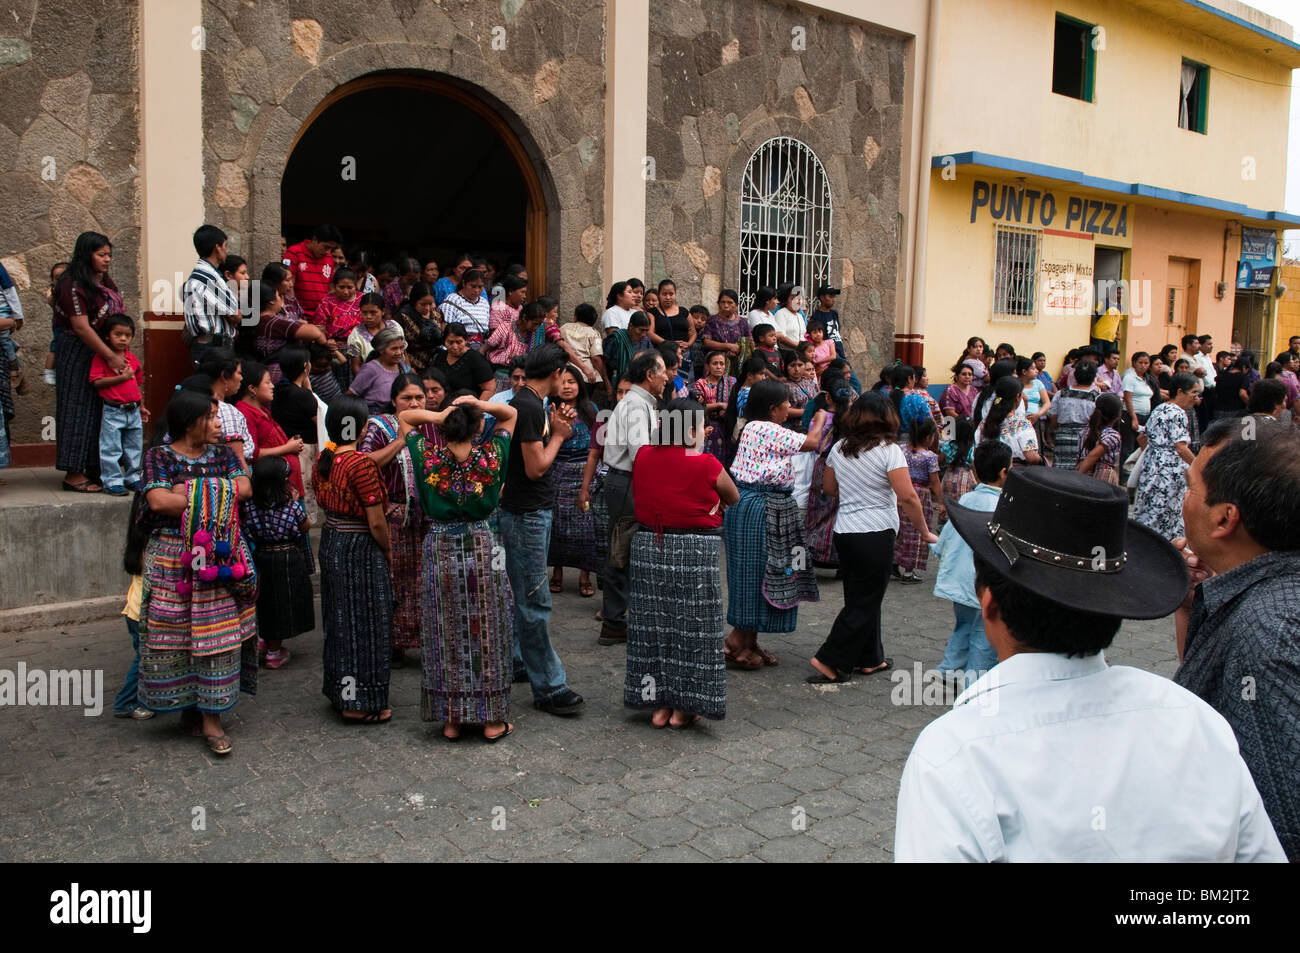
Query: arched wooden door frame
(536, 219)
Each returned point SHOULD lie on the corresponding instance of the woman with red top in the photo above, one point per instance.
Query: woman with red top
(675, 663)
(254, 402)
(356, 597)
(83, 297)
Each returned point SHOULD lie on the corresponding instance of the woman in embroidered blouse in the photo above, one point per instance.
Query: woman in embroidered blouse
(468, 618)
(713, 390)
(198, 643)
(766, 578)
(959, 399)
(356, 596)
(577, 539)
(406, 523)
(254, 401)
(727, 332)
(83, 297)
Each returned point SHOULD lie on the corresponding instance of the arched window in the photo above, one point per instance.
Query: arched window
(785, 220)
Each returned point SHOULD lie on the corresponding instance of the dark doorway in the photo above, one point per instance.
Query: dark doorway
(402, 170)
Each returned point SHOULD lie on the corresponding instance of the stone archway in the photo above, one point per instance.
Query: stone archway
(275, 132)
(323, 187)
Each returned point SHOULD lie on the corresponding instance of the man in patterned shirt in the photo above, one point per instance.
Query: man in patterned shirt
(1239, 630)
(312, 263)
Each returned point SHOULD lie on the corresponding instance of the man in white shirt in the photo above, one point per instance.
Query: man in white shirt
(1053, 755)
(630, 427)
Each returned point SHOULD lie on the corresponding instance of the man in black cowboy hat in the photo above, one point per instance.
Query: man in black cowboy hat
(1053, 755)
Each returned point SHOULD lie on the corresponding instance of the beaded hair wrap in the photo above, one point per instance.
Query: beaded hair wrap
(210, 528)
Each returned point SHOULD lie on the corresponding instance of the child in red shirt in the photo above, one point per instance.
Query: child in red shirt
(121, 427)
(340, 311)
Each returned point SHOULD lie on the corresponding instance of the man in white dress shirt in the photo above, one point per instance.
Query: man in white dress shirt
(1053, 755)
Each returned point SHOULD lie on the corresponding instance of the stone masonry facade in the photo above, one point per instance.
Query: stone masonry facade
(269, 64)
(727, 76)
(69, 147)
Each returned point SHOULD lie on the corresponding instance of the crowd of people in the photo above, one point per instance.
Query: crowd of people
(456, 447)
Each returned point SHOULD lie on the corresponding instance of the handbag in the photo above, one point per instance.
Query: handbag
(1135, 460)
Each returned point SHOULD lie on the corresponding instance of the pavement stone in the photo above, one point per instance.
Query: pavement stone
(794, 773)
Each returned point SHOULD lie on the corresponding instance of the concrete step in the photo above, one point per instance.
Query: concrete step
(58, 547)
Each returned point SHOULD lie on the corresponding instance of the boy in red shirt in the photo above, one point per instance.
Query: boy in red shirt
(121, 428)
(312, 264)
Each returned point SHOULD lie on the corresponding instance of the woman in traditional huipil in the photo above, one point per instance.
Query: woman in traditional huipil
(198, 632)
(468, 620)
(83, 297)
(356, 595)
(406, 522)
(576, 540)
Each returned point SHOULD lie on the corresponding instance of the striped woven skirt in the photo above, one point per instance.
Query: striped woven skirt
(675, 625)
(578, 540)
(820, 521)
(910, 551)
(1106, 473)
(957, 482)
(405, 540)
(175, 628)
(745, 532)
(357, 615)
(467, 639)
(77, 407)
(286, 604)
(1067, 446)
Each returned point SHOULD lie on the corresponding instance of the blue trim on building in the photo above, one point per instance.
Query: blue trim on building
(1244, 24)
(1042, 171)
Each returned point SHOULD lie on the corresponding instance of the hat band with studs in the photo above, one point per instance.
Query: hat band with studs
(1013, 547)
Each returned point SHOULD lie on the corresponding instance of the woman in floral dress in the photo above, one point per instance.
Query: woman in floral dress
(1163, 481)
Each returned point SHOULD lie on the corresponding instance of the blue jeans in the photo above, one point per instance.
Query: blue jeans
(121, 434)
(968, 647)
(126, 699)
(527, 539)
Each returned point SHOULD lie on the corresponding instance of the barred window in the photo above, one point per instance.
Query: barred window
(785, 220)
(1016, 252)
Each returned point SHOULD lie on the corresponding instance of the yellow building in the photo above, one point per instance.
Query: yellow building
(1088, 150)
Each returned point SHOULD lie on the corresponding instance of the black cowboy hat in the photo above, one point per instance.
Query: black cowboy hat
(1067, 537)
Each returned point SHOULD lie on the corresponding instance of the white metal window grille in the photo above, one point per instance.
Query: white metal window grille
(1016, 252)
(785, 220)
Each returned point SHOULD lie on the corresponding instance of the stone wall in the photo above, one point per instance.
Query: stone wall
(69, 141)
(270, 63)
(725, 77)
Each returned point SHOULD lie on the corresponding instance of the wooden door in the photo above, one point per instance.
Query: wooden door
(1177, 284)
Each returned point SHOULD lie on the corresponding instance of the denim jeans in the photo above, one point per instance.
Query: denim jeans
(126, 699)
(121, 434)
(527, 539)
(968, 647)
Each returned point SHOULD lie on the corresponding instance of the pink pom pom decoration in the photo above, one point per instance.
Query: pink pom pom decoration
(238, 570)
(202, 538)
(187, 559)
(208, 573)
(183, 588)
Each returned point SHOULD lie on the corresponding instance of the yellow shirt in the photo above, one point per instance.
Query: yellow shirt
(133, 595)
(1107, 324)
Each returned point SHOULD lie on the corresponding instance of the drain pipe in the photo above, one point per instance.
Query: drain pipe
(913, 344)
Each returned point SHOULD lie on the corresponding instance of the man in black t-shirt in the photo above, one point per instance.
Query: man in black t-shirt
(525, 526)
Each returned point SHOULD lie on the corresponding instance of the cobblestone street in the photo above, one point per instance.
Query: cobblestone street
(603, 786)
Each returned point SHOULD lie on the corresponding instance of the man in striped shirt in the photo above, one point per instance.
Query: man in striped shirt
(211, 306)
(312, 263)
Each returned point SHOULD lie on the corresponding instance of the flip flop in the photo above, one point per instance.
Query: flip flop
(678, 726)
(767, 657)
(493, 739)
(817, 678)
(557, 586)
(889, 664)
(218, 744)
(750, 665)
(586, 590)
(84, 487)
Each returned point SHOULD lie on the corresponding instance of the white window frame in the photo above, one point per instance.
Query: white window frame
(785, 220)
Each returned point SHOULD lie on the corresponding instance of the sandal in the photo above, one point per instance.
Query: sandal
(557, 586)
(817, 678)
(493, 739)
(85, 486)
(586, 590)
(369, 718)
(885, 667)
(748, 664)
(767, 657)
(679, 725)
(218, 744)
(664, 723)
